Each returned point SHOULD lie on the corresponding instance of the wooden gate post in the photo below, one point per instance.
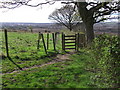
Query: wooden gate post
(47, 41)
(53, 35)
(6, 42)
(44, 43)
(78, 42)
(63, 41)
(39, 36)
(55, 38)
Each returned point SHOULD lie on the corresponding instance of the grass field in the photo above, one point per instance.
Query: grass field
(41, 70)
(67, 74)
(23, 51)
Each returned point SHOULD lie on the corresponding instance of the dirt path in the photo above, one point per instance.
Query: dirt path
(58, 58)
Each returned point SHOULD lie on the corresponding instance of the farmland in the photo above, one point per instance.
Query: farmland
(105, 27)
(23, 51)
(57, 69)
(23, 46)
(66, 44)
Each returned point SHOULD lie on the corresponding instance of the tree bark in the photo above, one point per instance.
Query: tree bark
(88, 20)
(70, 26)
(89, 31)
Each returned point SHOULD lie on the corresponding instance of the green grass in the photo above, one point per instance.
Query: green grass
(68, 74)
(23, 51)
(88, 68)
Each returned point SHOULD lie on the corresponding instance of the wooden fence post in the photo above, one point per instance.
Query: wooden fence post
(6, 42)
(78, 42)
(47, 41)
(44, 43)
(54, 41)
(75, 41)
(63, 41)
(55, 38)
(39, 36)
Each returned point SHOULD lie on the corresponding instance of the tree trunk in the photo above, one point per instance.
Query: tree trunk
(87, 17)
(70, 28)
(89, 32)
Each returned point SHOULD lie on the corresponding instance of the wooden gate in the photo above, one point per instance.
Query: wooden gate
(70, 42)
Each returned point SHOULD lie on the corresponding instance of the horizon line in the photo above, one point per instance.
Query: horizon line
(52, 22)
(26, 22)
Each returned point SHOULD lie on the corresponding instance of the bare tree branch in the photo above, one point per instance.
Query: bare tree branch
(65, 16)
(15, 3)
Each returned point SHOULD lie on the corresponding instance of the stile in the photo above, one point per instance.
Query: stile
(73, 39)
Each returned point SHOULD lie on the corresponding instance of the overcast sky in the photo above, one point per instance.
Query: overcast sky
(29, 14)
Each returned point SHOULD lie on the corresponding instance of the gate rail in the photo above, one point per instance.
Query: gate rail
(70, 39)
